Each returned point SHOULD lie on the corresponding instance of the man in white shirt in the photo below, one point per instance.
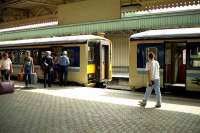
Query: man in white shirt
(153, 74)
(6, 67)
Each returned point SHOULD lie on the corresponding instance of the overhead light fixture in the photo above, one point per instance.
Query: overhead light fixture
(38, 25)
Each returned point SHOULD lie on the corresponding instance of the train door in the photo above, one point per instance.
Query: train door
(98, 61)
(105, 61)
(102, 62)
(175, 64)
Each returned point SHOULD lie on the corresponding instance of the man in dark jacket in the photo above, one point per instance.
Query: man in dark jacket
(47, 66)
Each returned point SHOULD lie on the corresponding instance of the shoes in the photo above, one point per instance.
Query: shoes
(142, 103)
(157, 105)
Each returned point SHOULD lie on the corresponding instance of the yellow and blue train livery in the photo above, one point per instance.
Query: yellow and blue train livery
(90, 56)
(177, 51)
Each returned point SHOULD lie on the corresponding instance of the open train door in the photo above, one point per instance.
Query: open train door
(101, 63)
(104, 62)
(175, 65)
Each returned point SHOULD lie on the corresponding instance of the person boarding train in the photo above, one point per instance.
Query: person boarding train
(47, 66)
(64, 63)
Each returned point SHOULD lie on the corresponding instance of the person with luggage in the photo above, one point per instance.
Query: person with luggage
(153, 75)
(28, 68)
(47, 66)
(64, 63)
(6, 67)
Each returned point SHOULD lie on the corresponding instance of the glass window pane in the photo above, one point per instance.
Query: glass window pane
(151, 50)
(74, 55)
(90, 53)
(195, 55)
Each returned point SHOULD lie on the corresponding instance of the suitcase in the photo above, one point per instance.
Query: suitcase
(20, 76)
(7, 87)
(34, 78)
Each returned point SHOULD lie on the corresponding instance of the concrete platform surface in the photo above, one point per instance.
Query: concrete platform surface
(75, 109)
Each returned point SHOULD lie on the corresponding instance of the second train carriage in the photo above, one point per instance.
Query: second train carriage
(90, 56)
(178, 52)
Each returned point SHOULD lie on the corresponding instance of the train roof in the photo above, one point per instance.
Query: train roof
(167, 34)
(52, 40)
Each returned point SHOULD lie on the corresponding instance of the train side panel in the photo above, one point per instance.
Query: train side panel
(137, 76)
(193, 80)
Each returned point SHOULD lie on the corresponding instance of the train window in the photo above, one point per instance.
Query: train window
(14, 56)
(91, 54)
(143, 51)
(35, 56)
(195, 56)
(74, 56)
(151, 50)
(21, 57)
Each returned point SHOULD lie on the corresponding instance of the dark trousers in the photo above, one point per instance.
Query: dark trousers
(27, 77)
(56, 70)
(5, 75)
(47, 78)
(63, 75)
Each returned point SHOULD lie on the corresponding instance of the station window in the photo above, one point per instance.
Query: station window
(194, 55)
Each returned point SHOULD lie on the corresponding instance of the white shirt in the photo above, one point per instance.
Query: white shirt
(153, 66)
(5, 64)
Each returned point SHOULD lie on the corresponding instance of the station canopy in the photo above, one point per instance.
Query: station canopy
(11, 10)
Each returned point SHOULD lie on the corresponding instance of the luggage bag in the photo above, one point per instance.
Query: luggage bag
(7, 87)
(34, 78)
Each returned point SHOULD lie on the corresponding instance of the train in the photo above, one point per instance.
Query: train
(90, 56)
(177, 51)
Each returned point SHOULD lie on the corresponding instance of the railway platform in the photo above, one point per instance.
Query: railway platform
(75, 109)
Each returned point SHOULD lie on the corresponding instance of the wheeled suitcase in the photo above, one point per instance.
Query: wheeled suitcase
(7, 87)
(34, 78)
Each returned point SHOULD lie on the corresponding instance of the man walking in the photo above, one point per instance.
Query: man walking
(153, 75)
(64, 63)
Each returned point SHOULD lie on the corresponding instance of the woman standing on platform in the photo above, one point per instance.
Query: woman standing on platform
(28, 68)
(6, 67)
